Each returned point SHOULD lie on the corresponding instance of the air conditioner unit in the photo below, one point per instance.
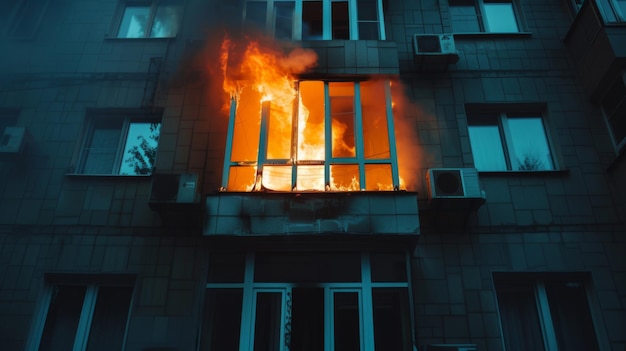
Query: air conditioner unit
(450, 347)
(174, 188)
(13, 141)
(453, 183)
(434, 51)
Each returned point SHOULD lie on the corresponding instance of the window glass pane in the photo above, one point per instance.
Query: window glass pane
(378, 177)
(311, 178)
(392, 331)
(283, 21)
(302, 267)
(345, 178)
(100, 153)
(617, 121)
(312, 28)
(529, 143)
(340, 20)
(166, 21)
(570, 316)
(245, 146)
(307, 321)
(134, 22)
(141, 148)
(342, 114)
(520, 321)
(241, 178)
(501, 17)
(311, 133)
(108, 325)
(487, 148)
(222, 320)
(388, 267)
(62, 319)
(374, 119)
(277, 178)
(256, 11)
(464, 18)
(621, 4)
(268, 321)
(346, 321)
(279, 128)
(367, 10)
(226, 268)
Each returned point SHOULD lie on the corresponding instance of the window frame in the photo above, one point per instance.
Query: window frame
(537, 283)
(92, 285)
(358, 160)
(483, 20)
(364, 288)
(502, 117)
(327, 20)
(153, 7)
(611, 11)
(126, 117)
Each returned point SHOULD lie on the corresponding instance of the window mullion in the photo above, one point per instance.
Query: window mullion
(121, 146)
(229, 143)
(549, 337)
(507, 140)
(358, 134)
(86, 316)
(482, 20)
(327, 20)
(393, 152)
(40, 319)
(353, 20)
(381, 20)
(150, 21)
(297, 19)
(367, 315)
(328, 137)
(246, 335)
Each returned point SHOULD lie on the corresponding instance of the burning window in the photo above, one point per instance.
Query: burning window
(315, 19)
(306, 135)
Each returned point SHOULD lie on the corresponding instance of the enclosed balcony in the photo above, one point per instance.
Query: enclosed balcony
(596, 41)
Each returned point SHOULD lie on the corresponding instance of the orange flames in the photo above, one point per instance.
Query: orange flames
(273, 150)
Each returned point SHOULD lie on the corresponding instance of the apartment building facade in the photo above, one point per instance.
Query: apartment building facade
(313, 175)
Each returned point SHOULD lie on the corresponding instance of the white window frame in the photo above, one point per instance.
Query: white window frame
(127, 119)
(512, 164)
(326, 18)
(84, 323)
(153, 6)
(546, 325)
(364, 288)
(483, 20)
(329, 161)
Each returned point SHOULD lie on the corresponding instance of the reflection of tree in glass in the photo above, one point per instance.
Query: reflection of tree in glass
(531, 162)
(165, 22)
(143, 156)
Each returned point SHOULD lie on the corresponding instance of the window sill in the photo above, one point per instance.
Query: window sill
(556, 173)
(113, 38)
(107, 176)
(491, 35)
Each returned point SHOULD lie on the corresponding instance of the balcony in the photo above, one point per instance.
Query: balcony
(353, 57)
(317, 213)
(596, 41)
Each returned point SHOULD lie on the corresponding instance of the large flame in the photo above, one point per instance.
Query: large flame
(261, 84)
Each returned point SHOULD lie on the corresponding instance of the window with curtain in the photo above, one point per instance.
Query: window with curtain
(545, 313)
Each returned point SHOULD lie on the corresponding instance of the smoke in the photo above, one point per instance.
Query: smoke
(410, 156)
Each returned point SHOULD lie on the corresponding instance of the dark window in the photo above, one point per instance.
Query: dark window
(545, 314)
(614, 106)
(86, 317)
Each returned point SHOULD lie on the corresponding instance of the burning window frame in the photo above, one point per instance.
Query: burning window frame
(358, 163)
